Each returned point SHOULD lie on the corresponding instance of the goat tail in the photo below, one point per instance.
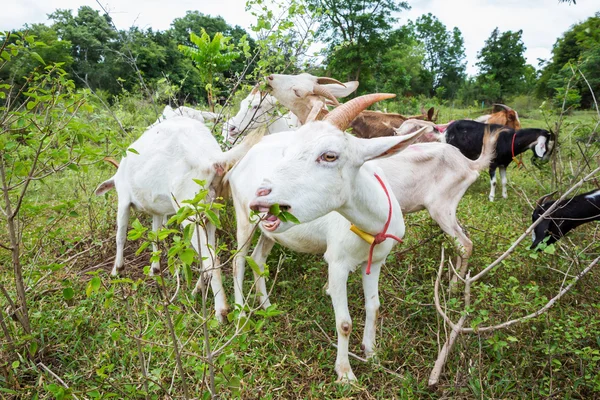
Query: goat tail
(488, 150)
(229, 158)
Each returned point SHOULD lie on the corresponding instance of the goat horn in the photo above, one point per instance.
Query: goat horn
(503, 106)
(324, 79)
(544, 198)
(112, 161)
(342, 116)
(321, 91)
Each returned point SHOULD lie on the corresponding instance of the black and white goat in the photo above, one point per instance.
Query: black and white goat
(569, 214)
(467, 136)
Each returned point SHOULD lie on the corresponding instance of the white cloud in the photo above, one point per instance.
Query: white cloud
(542, 21)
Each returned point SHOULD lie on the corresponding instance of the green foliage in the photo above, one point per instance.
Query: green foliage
(502, 65)
(578, 47)
(355, 32)
(211, 57)
(444, 61)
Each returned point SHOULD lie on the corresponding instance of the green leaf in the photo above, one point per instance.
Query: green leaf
(550, 249)
(213, 218)
(289, 217)
(253, 265)
(31, 104)
(15, 364)
(33, 347)
(68, 293)
(96, 283)
(187, 256)
(132, 150)
(274, 209)
(38, 57)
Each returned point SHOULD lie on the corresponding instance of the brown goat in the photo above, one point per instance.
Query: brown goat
(371, 124)
(503, 115)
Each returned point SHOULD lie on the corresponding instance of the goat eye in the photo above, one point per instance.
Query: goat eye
(254, 107)
(328, 156)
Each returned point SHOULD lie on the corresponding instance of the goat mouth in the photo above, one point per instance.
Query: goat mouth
(269, 221)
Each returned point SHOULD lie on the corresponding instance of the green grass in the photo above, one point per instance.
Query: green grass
(89, 340)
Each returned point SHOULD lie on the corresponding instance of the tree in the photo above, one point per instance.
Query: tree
(211, 57)
(90, 35)
(355, 31)
(578, 47)
(502, 64)
(444, 55)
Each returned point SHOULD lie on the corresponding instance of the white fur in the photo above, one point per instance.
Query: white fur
(540, 146)
(288, 167)
(257, 110)
(158, 178)
(593, 195)
(296, 92)
(184, 111)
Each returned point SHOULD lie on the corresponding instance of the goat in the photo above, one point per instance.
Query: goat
(159, 176)
(503, 115)
(567, 216)
(450, 175)
(467, 136)
(257, 109)
(184, 111)
(304, 94)
(310, 173)
(370, 124)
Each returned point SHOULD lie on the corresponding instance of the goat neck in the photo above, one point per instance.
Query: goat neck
(367, 206)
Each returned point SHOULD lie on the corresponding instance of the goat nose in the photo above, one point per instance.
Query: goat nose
(270, 77)
(262, 191)
(231, 128)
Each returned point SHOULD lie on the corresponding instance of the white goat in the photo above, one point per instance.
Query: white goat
(440, 177)
(304, 94)
(184, 111)
(258, 109)
(312, 172)
(160, 177)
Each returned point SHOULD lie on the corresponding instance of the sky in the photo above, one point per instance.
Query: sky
(542, 21)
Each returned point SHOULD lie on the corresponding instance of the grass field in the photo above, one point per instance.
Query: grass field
(92, 339)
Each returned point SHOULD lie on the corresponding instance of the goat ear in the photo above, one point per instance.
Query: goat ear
(341, 91)
(104, 187)
(388, 146)
(300, 92)
(511, 116)
(545, 198)
(540, 148)
(430, 114)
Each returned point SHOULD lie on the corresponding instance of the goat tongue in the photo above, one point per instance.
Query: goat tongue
(271, 217)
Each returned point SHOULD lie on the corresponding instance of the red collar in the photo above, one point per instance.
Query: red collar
(381, 236)
(512, 149)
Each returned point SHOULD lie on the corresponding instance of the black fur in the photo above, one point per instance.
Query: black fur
(467, 136)
(567, 216)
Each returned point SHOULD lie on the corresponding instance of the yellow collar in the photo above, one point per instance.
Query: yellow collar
(367, 237)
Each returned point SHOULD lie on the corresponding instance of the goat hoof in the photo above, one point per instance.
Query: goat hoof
(346, 377)
(368, 351)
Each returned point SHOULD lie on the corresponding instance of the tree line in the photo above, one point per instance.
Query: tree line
(362, 42)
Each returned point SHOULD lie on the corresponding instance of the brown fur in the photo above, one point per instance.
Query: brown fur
(505, 117)
(372, 124)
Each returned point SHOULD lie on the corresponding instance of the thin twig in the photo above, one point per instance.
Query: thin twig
(43, 366)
